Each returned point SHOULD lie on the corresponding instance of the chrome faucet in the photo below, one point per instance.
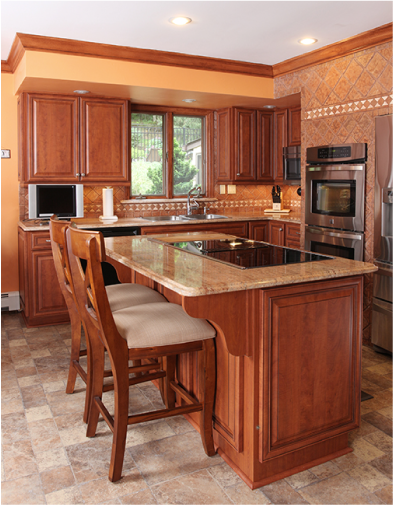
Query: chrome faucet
(194, 205)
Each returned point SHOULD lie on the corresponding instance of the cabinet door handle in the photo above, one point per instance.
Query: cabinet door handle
(47, 240)
(297, 232)
(78, 175)
(280, 229)
(238, 173)
(83, 175)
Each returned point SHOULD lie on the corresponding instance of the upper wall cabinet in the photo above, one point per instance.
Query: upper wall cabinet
(250, 144)
(244, 139)
(66, 139)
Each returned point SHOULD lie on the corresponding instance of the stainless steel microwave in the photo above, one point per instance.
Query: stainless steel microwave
(291, 163)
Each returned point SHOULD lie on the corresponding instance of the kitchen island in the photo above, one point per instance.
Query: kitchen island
(288, 349)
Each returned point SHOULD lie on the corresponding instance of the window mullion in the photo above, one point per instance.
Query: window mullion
(169, 154)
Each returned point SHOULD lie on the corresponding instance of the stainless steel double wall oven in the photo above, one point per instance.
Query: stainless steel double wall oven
(335, 192)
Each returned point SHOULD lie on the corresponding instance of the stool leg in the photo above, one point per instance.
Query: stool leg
(95, 379)
(75, 348)
(120, 420)
(169, 365)
(207, 387)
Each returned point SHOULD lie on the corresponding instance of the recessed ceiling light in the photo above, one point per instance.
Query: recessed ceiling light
(189, 100)
(307, 41)
(81, 91)
(180, 20)
(269, 106)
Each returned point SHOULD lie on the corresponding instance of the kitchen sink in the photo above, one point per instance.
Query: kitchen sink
(205, 216)
(165, 218)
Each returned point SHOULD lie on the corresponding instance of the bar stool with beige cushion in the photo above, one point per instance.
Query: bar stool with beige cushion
(142, 332)
(119, 296)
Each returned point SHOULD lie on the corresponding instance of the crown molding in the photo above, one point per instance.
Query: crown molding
(24, 42)
(5, 68)
(132, 54)
(345, 47)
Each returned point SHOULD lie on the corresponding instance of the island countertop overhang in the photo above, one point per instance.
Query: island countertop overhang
(191, 275)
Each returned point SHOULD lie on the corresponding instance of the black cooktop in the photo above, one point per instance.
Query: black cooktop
(245, 253)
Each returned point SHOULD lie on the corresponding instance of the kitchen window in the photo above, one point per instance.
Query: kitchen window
(168, 152)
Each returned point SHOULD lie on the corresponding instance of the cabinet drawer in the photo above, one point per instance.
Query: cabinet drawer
(40, 240)
(292, 235)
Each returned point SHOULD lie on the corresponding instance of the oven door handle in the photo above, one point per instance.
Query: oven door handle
(352, 236)
(336, 168)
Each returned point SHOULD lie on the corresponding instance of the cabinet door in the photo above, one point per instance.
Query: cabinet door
(264, 146)
(104, 141)
(292, 235)
(276, 233)
(259, 231)
(224, 163)
(245, 146)
(294, 127)
(49, 140)
(280, 141)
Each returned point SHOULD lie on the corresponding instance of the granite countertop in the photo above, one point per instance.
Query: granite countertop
(192, 275)
(293, 217)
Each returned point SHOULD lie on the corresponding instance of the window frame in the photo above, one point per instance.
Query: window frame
(207, 138)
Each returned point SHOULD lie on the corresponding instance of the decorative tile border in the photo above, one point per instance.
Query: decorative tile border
(346, 108)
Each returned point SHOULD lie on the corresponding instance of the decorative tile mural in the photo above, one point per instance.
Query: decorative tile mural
(340, 100)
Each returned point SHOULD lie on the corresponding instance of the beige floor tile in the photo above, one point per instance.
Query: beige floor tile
(91, 460)
(102, 490)
(51, 459)
(380, 440)
(281, 492)
(144, 497)
(73, 436)
(364, 450)
(241, 494)
(387, 412)
(301, 479)
(381, 369)
(325, 470)
(369, 477)
(198, 487)
(38, 413)
(385, 494)
(12, 406)
(179, 425)
(19, 460)
(57, 478)
(14, 427)
(23, 491)
(137, 435)
(50, 387)
(172, 457)
(21, 342)
(338, 489)
(383, 465)
(29, 381)
(224, 475)
(69, 496)
(348, 461)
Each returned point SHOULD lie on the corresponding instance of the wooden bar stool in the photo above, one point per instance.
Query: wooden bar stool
(154, 330)
(119, 296)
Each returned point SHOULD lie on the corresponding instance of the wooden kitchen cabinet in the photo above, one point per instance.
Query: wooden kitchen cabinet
(67, 139)
(258, 230)
(294, 126)
(48, 138)
(277, 233)
(42, 302)
(292, 235)
(244, 139)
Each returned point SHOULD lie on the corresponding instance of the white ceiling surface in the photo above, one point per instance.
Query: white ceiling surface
(252, 31)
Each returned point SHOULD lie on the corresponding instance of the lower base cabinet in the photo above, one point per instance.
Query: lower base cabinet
(42, 302)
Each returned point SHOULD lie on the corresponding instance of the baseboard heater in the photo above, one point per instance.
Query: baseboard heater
(10, 301)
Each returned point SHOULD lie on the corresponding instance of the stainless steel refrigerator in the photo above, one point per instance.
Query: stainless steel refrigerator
(381, 325)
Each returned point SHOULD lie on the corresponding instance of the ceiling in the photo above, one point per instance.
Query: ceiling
(251, 31)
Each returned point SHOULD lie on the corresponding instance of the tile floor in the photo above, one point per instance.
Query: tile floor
(46, 457)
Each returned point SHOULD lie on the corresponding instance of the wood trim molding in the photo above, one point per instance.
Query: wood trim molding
(131, 54)
(5, 68)
(359, 42)
(24, 42)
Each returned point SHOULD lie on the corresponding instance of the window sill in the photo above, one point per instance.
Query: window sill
(165, 200)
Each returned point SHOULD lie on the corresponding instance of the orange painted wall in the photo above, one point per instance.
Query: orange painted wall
(9, 187)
